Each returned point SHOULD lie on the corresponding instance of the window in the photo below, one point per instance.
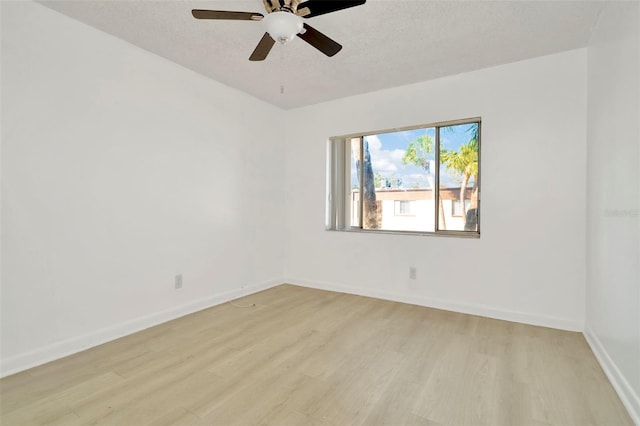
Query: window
(422, 179)
(403, 207)
(456, 207)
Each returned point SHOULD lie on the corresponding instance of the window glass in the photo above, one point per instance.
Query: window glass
(355, 182)
(458, 155)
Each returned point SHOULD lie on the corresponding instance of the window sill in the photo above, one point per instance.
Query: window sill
(448, 234)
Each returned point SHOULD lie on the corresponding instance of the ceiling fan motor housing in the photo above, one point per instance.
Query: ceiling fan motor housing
(275, 5)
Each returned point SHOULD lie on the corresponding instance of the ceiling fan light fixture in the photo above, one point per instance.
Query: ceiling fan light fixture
(282, 26)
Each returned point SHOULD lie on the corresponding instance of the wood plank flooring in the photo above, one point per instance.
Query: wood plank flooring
(309, 357)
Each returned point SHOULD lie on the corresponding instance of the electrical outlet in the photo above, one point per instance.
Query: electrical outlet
(178, 281)
(412, 272)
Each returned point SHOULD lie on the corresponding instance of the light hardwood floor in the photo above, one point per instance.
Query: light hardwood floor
(309, 357)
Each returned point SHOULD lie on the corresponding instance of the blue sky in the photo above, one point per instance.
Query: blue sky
(387, 150)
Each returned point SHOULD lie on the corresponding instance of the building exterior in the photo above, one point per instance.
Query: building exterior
(402, 209)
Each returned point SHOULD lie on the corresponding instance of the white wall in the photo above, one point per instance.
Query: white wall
(613, 213)
(119, 170)
(529, 264)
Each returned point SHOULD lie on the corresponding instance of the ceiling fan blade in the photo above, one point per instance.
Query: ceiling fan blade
(311, 8)
(223, 14)
(319, 41)
(263, 48)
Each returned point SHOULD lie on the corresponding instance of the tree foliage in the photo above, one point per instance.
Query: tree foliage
(418, 151)
(464, 161)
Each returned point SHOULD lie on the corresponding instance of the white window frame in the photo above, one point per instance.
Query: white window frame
(397, 207)
(339, 190)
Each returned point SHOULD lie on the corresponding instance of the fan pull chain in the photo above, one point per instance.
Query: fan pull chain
(281, 48)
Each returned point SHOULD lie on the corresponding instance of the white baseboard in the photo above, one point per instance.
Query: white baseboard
(77, 344)
(627, 395)
(485, 311)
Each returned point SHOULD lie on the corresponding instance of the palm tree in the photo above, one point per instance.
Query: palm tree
(417, 153)
(464, 162)
(369, 205)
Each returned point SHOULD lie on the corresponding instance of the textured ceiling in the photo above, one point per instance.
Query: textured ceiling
(386, 43)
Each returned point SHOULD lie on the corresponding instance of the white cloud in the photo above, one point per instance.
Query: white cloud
(397, 154)
(385, 162)
(383, 166)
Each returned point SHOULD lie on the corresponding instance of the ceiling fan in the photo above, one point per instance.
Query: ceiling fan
(284, 21)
